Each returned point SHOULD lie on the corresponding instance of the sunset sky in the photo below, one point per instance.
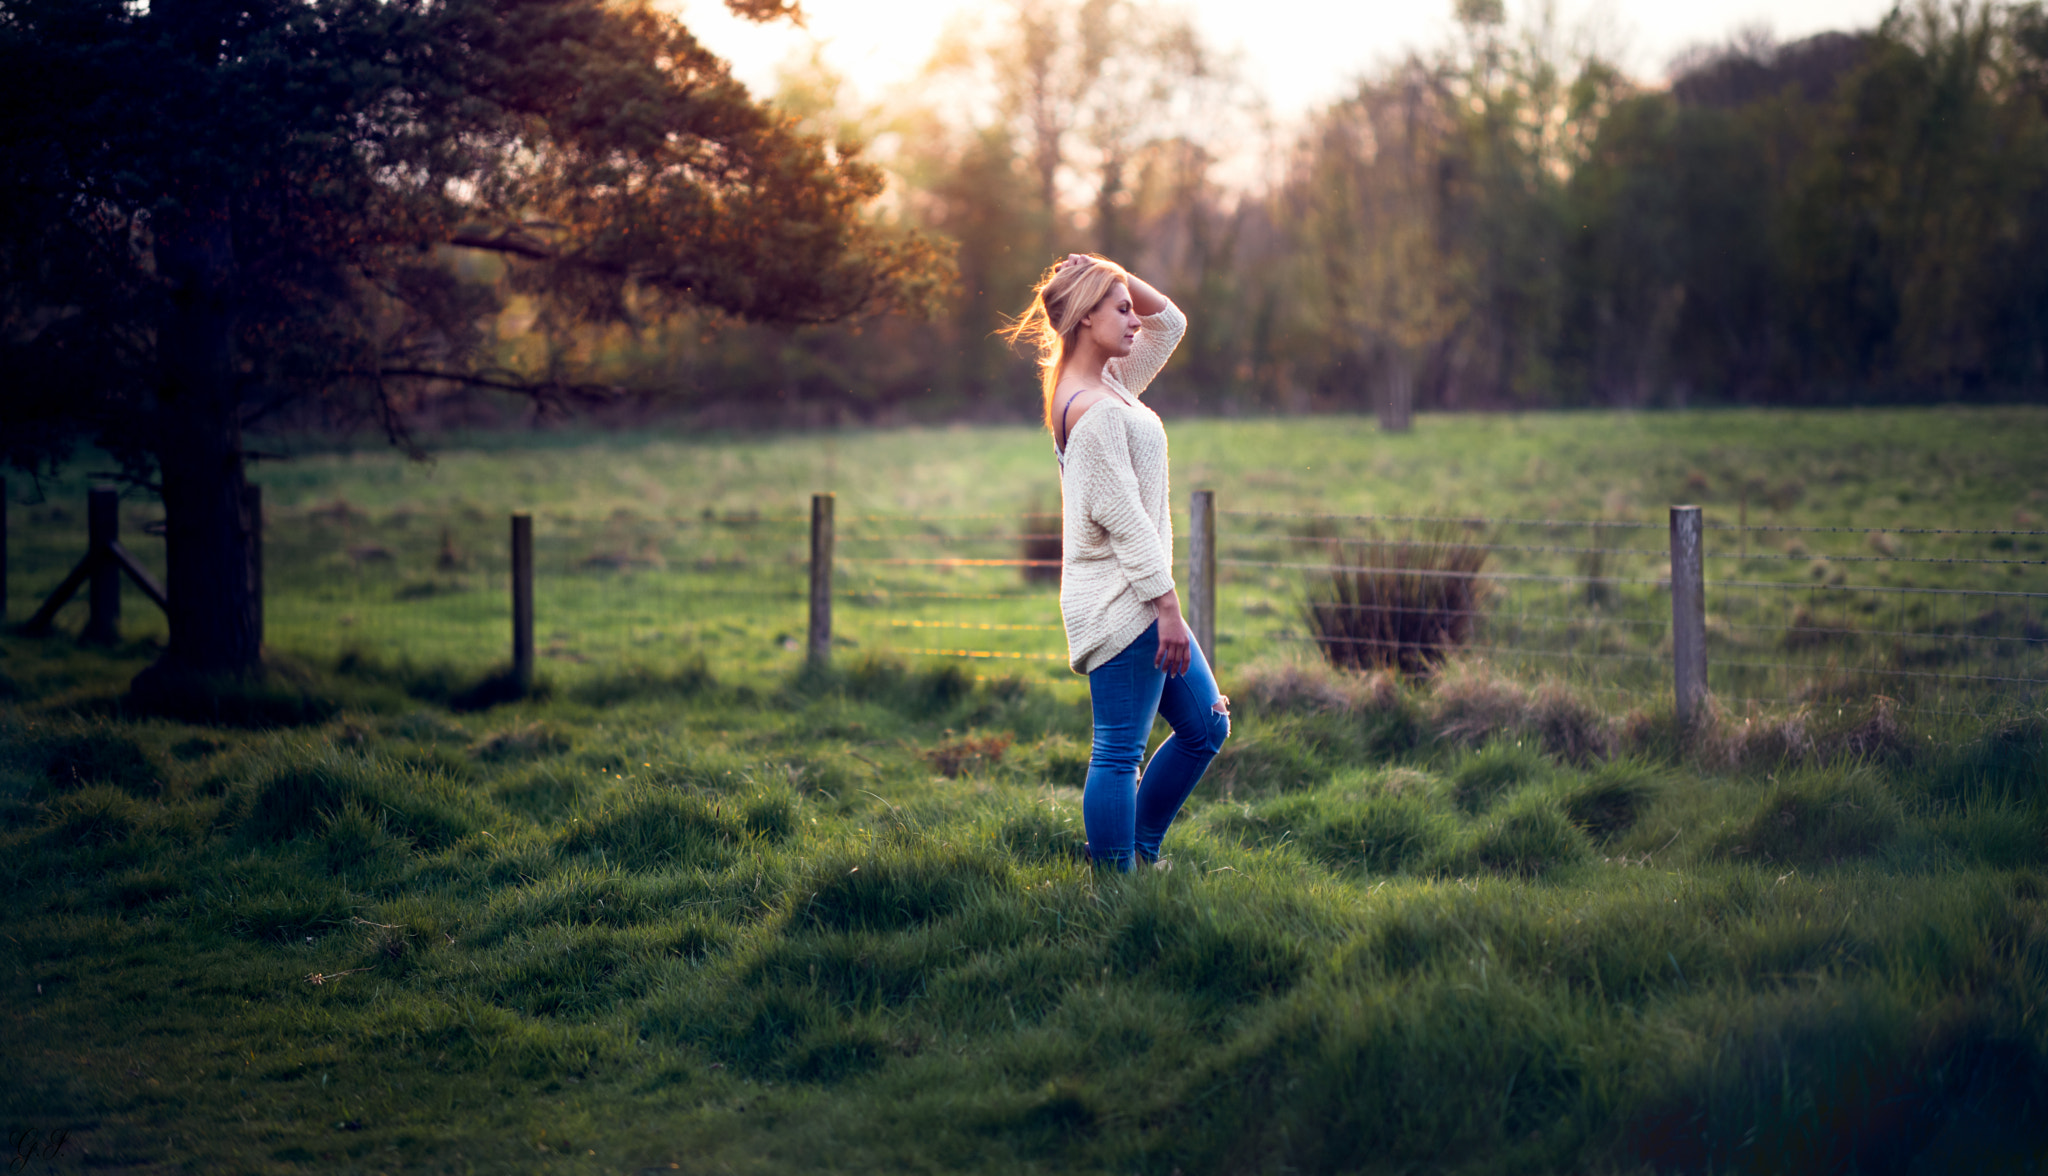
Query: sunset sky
(1298, 52)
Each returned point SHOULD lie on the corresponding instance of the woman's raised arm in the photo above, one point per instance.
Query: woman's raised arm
(1146, 300)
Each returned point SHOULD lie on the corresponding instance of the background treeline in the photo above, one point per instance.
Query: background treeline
(1508, 220)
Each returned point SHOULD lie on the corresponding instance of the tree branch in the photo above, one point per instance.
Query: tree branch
(139, 481)
(496, 383)
(505, 241)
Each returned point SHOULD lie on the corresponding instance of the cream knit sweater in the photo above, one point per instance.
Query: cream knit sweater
(1116, 550)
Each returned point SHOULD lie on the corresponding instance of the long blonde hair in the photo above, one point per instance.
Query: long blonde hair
(1060, 300)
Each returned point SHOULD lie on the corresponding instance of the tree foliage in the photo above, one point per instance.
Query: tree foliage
(216, 211)
(303, 171)
(1051, 128)
(1505, 220)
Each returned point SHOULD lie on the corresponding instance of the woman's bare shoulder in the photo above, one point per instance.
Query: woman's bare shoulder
(1074, 404)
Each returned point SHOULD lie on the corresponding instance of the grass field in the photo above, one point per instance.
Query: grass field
(701, 910)
(652, 550)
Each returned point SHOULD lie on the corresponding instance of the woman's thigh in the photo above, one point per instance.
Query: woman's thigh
(1192, 705)
(1124, 694)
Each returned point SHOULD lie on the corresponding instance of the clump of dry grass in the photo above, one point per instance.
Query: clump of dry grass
(522, 741)
(1759, 739)
(1471, 703)
(1316, 687)
(1379, 691)
(1292, 686)
(1762, 739)
(1403, 604)
(1568, 726)
(969, 753)
(1878, 734)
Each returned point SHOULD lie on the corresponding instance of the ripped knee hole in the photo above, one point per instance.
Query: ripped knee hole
(1222, 706)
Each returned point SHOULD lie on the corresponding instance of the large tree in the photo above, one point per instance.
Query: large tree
(214, 210)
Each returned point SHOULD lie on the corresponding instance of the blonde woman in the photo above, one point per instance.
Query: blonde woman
(1101, 335)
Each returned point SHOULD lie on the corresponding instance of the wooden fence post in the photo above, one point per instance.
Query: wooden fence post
(820, 644)
(522, 600)
(103, 590)
(1688, 614)
(1397, 392)
(1202, 571)
(252, 517)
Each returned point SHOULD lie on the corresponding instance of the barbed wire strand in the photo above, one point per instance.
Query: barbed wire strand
(995, 654)
(1866, 530)
(1434, 573)
(1595, 619)
(1874, 670)
(1615, 523)
(1016, 538)
(891, 594)
(1808, 703)
(1880, 633)
(1598, 620)
(973, 625)
(1462, 521)
(967, 563)
(940, 518)
(734, 594)
(1797, 587)
(1503, 650)
(1348, 606)
(1568, 579)
(1550, 549)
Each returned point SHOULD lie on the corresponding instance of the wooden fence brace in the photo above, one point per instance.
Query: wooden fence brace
(1202, 572)
(1688, 614)
(105, 551)
(252, 517)
(819, 647)
(103, 593)
(522, 600)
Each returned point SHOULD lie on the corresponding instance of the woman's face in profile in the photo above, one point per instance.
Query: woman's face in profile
(1113, 324)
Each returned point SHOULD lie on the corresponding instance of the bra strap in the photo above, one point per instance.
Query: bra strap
(1065, 433)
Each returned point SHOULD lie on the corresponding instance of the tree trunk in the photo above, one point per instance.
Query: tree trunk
(207, 533)
(214, 617)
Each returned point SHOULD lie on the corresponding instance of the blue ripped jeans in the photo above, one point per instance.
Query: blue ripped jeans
(1123, 810)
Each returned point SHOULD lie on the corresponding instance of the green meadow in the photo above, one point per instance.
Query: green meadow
(654, 549)
(697, 907)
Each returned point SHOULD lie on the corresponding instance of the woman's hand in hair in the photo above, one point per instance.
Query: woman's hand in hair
(1174, 638)
(1144, 299)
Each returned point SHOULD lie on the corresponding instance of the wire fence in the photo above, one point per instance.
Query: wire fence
(1944, 620)
(979, 587)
